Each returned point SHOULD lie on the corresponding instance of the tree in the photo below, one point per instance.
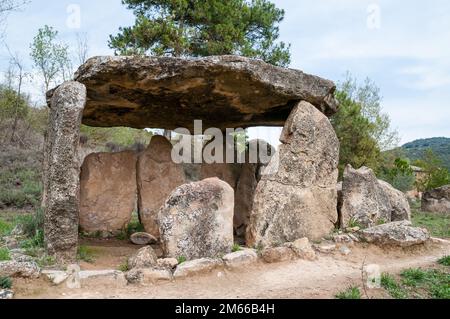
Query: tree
(436, 175)
(50, 57)
(202, 28)
(400, 175)
(82, 48)
(363, 130)
(6, 6)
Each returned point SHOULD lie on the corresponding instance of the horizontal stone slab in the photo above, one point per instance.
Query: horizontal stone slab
(223, 91)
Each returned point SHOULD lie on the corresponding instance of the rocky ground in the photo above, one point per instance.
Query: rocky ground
(324, 277)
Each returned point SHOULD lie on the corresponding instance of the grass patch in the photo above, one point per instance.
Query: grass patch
(181, 260)
(418, 283)
(86, 254)
(124, 267)
(5, 228)
(389, 283)
(4, 254)
(20, 188)
(444, 261)
(236, 248)
(438, 225)
(354, 223)
(350, 293)
(5, 283)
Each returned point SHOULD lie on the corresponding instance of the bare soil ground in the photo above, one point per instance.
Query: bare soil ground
(322, 278)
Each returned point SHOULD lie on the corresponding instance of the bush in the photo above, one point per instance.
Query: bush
(350, 293)
(5, 283)
(4, 254)
(445, 261)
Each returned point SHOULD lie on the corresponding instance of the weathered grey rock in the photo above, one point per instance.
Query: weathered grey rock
(400, 209)
(197, 267)
(143, 258)
(223, 91)
(197, 220)
(73, 281)
(437, 200)
(148, 275)
(57, 277)
(302, 248)
(369, 201)
(13, 268)
(240, 258)
(395, 234)
(157, 177)
(142, 239)
(6, 294)
(62, 171)
(297, 196)
(278, 254)
(92, 278)
(167, 263)
(344, 250)
(325, 248)
(108, 191)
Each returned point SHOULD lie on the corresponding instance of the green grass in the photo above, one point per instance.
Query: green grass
(389, 283)
(354, 223)
(236, 248)
(4, 254)
(86, 254)
(445, 261)
(350, 293)
(124, 267)
(418, 283)
(181, 260)
(5, 283)
(5, 228)
(438, 225)
(20, 188)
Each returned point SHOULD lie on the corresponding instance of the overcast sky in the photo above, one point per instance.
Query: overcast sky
(403, 46)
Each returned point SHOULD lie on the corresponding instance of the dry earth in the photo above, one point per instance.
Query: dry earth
(322, 278)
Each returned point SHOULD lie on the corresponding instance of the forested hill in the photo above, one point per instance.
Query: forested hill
(439, 145)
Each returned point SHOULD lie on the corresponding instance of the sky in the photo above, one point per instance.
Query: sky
(404, 47)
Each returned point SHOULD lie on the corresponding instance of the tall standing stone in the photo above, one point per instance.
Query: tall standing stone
(108, 191)
(297, 195)
(63, 170)
(157, 177)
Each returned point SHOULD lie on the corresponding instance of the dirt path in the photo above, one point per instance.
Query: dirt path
(299, 279)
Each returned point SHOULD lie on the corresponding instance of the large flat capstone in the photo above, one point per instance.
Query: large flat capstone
(223, 91)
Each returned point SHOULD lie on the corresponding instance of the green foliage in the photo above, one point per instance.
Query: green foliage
(361, 126)
(389, 283)
(20, 187)
(203, 28)
(430, 283)
(437, 224)
(400, 175)
(181, 260)
(5, 282)
(33, 225)
(439, 145)
(445, 261)
(86, 254)
(5, 228)
(12, 105)
(4, 254)
(124, 267)
(50, 57)
(236, 248)
(436, 175)
(350, 293)
(120, 137)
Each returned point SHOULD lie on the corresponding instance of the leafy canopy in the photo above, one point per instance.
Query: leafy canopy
(202, 28)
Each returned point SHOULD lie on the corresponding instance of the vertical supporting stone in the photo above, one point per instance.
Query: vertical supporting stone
(297, 196)
(63, 171)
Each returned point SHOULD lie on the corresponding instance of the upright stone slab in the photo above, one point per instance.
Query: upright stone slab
(196, 221)
(108, 191)
(437, 200)
(63, 171)
(157, 177)
(297, 196)
(367, 201)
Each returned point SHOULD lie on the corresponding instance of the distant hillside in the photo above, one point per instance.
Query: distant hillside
(439, 145)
